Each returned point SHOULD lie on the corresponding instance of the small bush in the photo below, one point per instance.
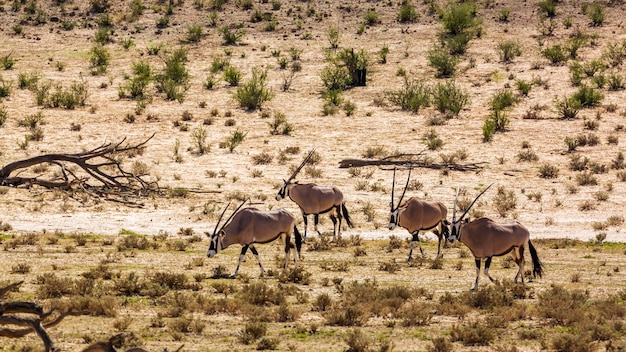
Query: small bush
(504, 201)
(502, 99)
(194, 33)
(548, 171)
(595, 12)
(252, 332)
(556, 54)
(523, 87)
(447, 96)
(473, 333)
(509, 50)
(413, 96)
(567, 107)
(442, 61)
(407, 12)
(588, 97)
(232, 34)
(254, 93)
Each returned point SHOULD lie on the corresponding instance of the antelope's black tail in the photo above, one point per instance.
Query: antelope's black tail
(298, 237)
(346, 216)
(537, 266)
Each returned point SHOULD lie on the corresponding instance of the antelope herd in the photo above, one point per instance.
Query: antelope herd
(484, 237)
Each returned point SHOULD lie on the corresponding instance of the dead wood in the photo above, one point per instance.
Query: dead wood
(98, 172)
(418, 160)
(33, 322)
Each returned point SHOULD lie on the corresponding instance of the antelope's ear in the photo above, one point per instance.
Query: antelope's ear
(207, 234)
(466, 220)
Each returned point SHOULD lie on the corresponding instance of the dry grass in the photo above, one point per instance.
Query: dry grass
(133, 264)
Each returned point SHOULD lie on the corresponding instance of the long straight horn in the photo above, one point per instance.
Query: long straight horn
(475, 199)
(234, 212)
(405, 187)
(455, 200)
(393, 187)
(220, 219)
(306, 160)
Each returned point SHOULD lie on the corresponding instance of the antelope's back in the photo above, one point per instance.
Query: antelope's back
(491, 238)
(261, 222)
(314, 199)
(423, 214)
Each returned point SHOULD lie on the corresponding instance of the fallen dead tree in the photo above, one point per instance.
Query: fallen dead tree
(97, 172)
(418, 160)
(30, 315)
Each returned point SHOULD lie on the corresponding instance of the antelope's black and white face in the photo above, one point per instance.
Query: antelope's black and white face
(216, 244)
(455, 231)
(282, 192)
(394, 217)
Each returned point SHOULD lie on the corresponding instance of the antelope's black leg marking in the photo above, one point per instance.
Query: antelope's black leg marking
(242, 255)
(256, 254)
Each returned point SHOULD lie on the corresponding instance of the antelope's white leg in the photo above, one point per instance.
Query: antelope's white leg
(242, 255)
(333, 219)
(305, 217)
(316, 220)
(256, 254)
(487, 265)
(411, 251)
(477, 274)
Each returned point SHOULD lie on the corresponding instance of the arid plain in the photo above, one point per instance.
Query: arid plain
(562, 177)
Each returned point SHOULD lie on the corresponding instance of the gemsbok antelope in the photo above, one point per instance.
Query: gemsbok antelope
(316, 200)
(417, 216)
(485, 238)
(250, 226)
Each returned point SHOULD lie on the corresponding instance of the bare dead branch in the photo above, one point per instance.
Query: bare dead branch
(11, 287)
(101, 164)
(34, 323)
(410, 161)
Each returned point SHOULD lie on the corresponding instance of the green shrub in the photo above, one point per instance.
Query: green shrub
(279, 125)
(500, 120)
(354, 62)
(232, 76)
(407, 12)
(335, 78)
(411, 97)
(548, 7)
(138, 83)
(502, 100)
(567, 107)
(7, 62)
(504, 201)
(555, 54)
(232, 35)
(442, 61)
(174, 79)
(523, 86)
(234, 140)
(446, 96)
(194, 33)
(473, 333)
(5, 87)
(595, 12)
(99, 58)
(457, 44)
(460, 17)
(371, 18)
(254, 93)
(548, 171)
(588, 97)
(432, 140)
(4, 115)
(509, 50)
